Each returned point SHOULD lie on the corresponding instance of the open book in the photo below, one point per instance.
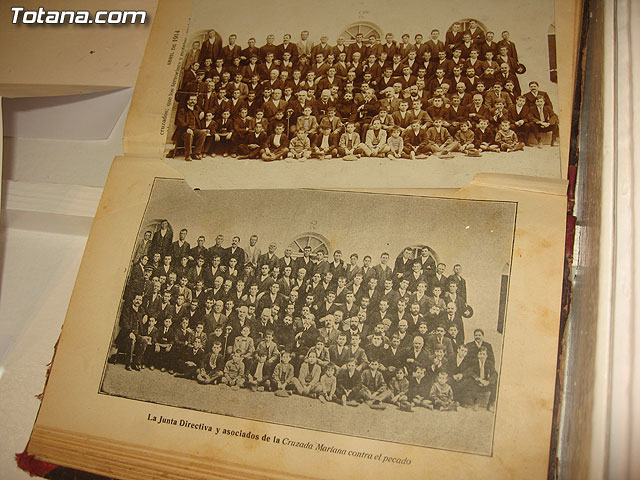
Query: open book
(260, 299)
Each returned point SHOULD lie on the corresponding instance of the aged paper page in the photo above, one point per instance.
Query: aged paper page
(180, 29)
(76, 417)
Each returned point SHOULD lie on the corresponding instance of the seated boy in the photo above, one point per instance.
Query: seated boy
(418, 393)
(484, 138)
(212, 368)
(254, 144)
(325, 144)
(465, 137)
(439, 140)
(257, 373)
(308, 381)
(300, 147)
(438, 362)
(322, 352)
(441, 394)
(499, 114)
(375, 144)
(332, 121)
(328, 384)
(198, 332)
(259, 118)
(277, 145)
(349, 142)
(415, 141)
(374, 388)
(398, 387)
(192, 360)
(507, 139)
(349, 384)
(234, 371)
(395, 143)
(386, 120)
(283, 374)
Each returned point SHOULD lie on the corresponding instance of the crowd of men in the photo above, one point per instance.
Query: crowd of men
(336, 330)
(369, 98)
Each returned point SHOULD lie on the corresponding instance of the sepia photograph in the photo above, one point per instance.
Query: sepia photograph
(426, 94)
(362, 314)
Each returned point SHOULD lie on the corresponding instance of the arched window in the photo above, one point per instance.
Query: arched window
(365, 28)
(317, 242)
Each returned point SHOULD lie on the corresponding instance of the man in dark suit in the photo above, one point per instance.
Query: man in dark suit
(130, 328)
(217, 249)
(383, 271)
(543, 119)
(475, 32)
(234, 251)
(143, 248)
(415, 355)
(477, 109)
(488, 46)
(180, 248)
(534, 92)
(211, 48)
(511, 47)
(270, 299)
(434, 44)
(162, 240)
(482, 381)
(438, 339)
(403, 265)
(457, 278)
(189, 129)
(231, 51)
(478, 343)
(305, 262)
(520, 121)
(453, 38)
(337, 266)
(452, 317)
(269, 258)
(438, 278)
(506, 74)
(288, 47)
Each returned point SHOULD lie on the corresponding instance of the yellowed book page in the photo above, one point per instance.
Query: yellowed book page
(505, 239)
(167, 81)
(47, 59)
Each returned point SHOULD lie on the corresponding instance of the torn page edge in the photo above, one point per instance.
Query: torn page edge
(549, 186)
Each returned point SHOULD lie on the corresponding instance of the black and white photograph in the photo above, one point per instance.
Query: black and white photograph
(362, 314)
(424, 93)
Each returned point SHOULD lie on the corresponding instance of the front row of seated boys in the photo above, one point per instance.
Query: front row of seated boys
(344, 374)
(394, 143)
(330, 138)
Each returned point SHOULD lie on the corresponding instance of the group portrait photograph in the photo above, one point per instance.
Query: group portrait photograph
(413, 90)
(312, 314)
